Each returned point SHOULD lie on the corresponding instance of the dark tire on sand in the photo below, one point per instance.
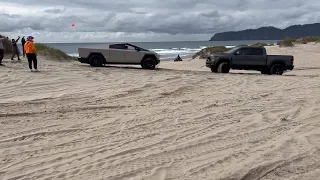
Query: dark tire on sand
(149, 63)
(96, 61)
(224, 67)
(265, 71)
(277, 69)
(214, 69)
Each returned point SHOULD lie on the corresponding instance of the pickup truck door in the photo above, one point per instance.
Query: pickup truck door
(258, 57)
(241, 57)
(249, 56)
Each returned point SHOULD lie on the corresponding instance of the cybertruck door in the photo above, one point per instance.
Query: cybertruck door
(116, 55)
(132, 55)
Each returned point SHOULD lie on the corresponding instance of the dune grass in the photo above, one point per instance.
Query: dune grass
(6, 44)
(52, 52)
(259, 44)
(208, 50)
(290, 42)
(307, 40)
(287, 42)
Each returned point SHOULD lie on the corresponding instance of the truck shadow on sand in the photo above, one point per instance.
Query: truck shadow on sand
(209, 72)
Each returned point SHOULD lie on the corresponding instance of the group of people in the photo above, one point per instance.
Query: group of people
(28, 49)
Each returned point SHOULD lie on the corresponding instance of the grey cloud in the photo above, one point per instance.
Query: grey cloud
(16, 22)
(10, 15)
(212, 14)
(55, 10)
(165, 16)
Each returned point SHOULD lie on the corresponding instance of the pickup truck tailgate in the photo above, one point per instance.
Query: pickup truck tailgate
(287, 60)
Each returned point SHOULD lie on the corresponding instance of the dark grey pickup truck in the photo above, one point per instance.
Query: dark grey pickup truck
(249, 58)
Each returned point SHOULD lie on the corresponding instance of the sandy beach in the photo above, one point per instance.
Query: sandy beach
(180, 122)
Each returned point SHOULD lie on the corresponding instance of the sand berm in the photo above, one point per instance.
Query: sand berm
(72, 121)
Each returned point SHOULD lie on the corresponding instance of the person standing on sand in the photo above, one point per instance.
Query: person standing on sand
(23, 41)
(1, 50)
(15, 49)
(31, 53)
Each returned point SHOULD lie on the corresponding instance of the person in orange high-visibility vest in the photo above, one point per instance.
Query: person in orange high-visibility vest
(31, 53)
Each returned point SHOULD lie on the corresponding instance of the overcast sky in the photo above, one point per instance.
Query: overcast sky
(147, 20)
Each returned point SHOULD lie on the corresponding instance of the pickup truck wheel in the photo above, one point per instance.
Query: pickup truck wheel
(223, 67)
(149, 63)
(96, 61)
(277, 69)
(265, 71)
(214, 69)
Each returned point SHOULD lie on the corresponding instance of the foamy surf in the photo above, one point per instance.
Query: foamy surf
(74, 54)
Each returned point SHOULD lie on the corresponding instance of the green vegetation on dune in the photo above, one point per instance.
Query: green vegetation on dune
(208, 50)
(259, 44)
(287, 42)
(52, 52)
(290, 42)
(307, 40)
(41, 49)
(6, 44)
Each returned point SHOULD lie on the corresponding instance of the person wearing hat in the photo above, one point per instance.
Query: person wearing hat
(31, 53)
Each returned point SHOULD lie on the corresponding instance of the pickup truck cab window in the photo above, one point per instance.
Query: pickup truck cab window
(256, 51)
(243, 51)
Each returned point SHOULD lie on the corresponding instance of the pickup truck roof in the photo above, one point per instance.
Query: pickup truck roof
(253, 50)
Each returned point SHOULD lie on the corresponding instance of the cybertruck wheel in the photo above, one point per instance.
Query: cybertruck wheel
(149, 63)
(96, 61)
(223, 67)
(277, 69)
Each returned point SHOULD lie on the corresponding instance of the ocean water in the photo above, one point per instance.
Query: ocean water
(167, 50)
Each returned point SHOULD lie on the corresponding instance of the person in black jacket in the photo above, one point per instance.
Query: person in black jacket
(23, 41)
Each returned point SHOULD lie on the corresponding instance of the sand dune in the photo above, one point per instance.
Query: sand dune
(71, 121)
